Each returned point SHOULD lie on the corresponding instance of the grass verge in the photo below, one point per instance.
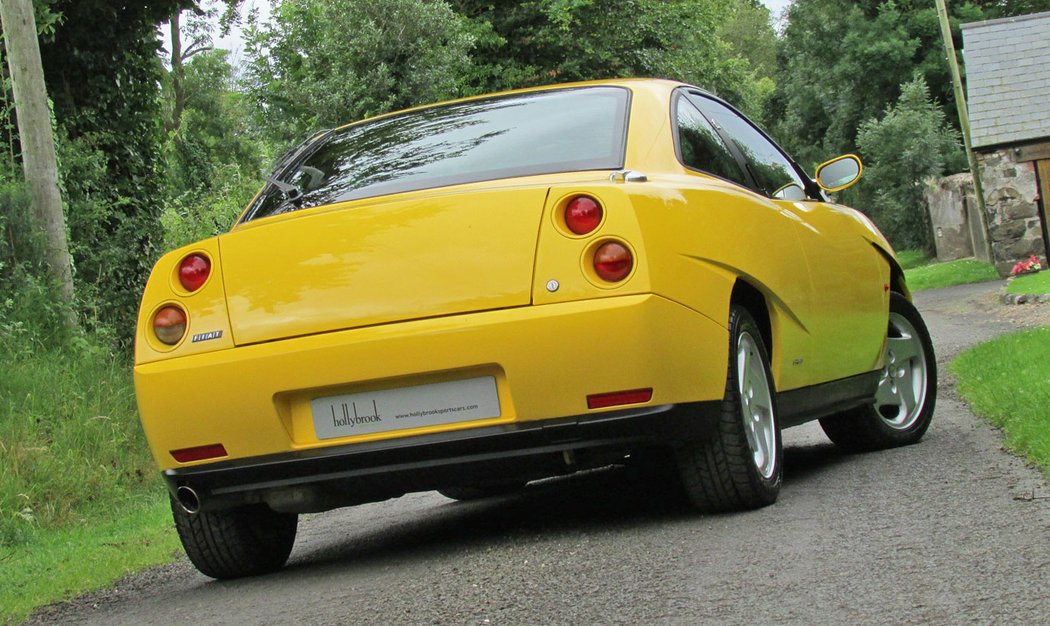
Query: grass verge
(960, 272)
(79, 493)
(1030, 284)
(61, 563)
(1007, 381)
(910, 259)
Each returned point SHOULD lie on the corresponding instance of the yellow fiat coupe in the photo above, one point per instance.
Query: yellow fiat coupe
(472, 295)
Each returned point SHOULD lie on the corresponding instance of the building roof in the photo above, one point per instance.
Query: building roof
(1008, 79)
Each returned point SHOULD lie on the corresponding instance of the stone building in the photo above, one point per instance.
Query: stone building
(1008, 90)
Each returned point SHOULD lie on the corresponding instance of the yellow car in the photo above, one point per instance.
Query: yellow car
(468, 296)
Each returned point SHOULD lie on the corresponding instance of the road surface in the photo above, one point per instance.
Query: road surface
(952, 530)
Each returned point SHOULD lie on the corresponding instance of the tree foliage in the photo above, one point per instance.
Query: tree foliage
(911, 142)
(842, 62)
(321, 64)
(212, 161)
(552, 41)
(102, 76)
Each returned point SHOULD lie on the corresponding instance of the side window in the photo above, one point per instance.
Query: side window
(701, 147)
(769, 167)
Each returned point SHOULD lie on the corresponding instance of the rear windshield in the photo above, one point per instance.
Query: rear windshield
(563, 130)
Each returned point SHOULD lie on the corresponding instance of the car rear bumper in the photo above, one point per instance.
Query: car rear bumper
(255, 400)
(320, 479)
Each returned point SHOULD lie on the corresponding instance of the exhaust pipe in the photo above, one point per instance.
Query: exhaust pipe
(188, 499)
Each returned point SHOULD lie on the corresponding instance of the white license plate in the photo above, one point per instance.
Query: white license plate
(405, 407)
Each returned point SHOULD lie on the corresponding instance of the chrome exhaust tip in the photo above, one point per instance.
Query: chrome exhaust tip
(188, 500)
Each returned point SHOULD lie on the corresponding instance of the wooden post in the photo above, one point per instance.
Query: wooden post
(964, 125)
(37, 140)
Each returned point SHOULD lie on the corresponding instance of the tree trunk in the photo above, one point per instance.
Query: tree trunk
(178, 76)
(38, 141)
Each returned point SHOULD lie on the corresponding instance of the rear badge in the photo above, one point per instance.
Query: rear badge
(215, 334)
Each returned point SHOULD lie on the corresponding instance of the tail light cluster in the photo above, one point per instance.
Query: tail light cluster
(170, 321)
(194, 271)
(611, 259)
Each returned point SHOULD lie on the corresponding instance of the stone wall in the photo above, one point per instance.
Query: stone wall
(1011, 199)
(951, 202)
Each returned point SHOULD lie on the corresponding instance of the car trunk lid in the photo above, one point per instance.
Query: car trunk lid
(373, 262)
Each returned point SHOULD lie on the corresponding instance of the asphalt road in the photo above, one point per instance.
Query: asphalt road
(952, 530)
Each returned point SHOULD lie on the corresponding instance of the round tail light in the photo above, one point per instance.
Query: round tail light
(613, 261)
(583, 214)
(194, 271)
(169, 325)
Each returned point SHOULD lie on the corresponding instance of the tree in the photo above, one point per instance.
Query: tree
(913, 141)
(841, 62)
(324, 63)
(199, 41)
(103, 77)
(212, 162)
(38, 144)
(553, 41)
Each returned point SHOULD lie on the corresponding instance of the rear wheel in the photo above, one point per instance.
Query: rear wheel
(903, 405)
(739, 465)
(245, 541)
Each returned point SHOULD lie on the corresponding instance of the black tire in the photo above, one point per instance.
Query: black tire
(740, 465)
(245, 541)
(481, 491)
(903, 406)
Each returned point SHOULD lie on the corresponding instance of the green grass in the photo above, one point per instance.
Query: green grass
(961, 272)
(59, 564)
(910, 259)
(78, 487)
(1030, 284)
(1007, 381)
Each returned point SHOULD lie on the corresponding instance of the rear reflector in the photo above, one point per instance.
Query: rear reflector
(617, 398)
(210, 451)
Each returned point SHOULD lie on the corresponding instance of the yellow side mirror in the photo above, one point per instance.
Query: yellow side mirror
(838, 174)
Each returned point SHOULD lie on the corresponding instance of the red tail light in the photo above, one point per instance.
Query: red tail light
(613, 261)
(583, 214)
(194, 272)
(199, 453)
(169, 325)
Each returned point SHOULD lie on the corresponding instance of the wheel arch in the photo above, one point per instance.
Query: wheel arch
(897, 280)
(748, 296)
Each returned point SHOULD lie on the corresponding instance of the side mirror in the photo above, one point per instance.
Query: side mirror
(838, 174)
(790, 191)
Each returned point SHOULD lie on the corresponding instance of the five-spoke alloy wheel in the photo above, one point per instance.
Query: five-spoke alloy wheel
(907, 392)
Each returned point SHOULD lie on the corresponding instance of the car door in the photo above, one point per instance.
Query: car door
(746, 233)
(846, 319)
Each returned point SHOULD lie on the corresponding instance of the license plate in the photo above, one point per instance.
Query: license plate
(405, 407)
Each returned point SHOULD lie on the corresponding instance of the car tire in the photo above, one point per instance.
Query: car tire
(232, 543)
(739, 466)
(903, 405)
(480, 492)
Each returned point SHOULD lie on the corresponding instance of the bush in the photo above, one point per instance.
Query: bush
(911, 142)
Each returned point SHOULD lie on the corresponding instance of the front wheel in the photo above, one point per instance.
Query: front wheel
(903, 405)
(739, 465)
(232, 543)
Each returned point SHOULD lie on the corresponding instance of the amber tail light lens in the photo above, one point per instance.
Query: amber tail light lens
(194, 271)
(583, 214)
(169, 325)
(613, 261)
